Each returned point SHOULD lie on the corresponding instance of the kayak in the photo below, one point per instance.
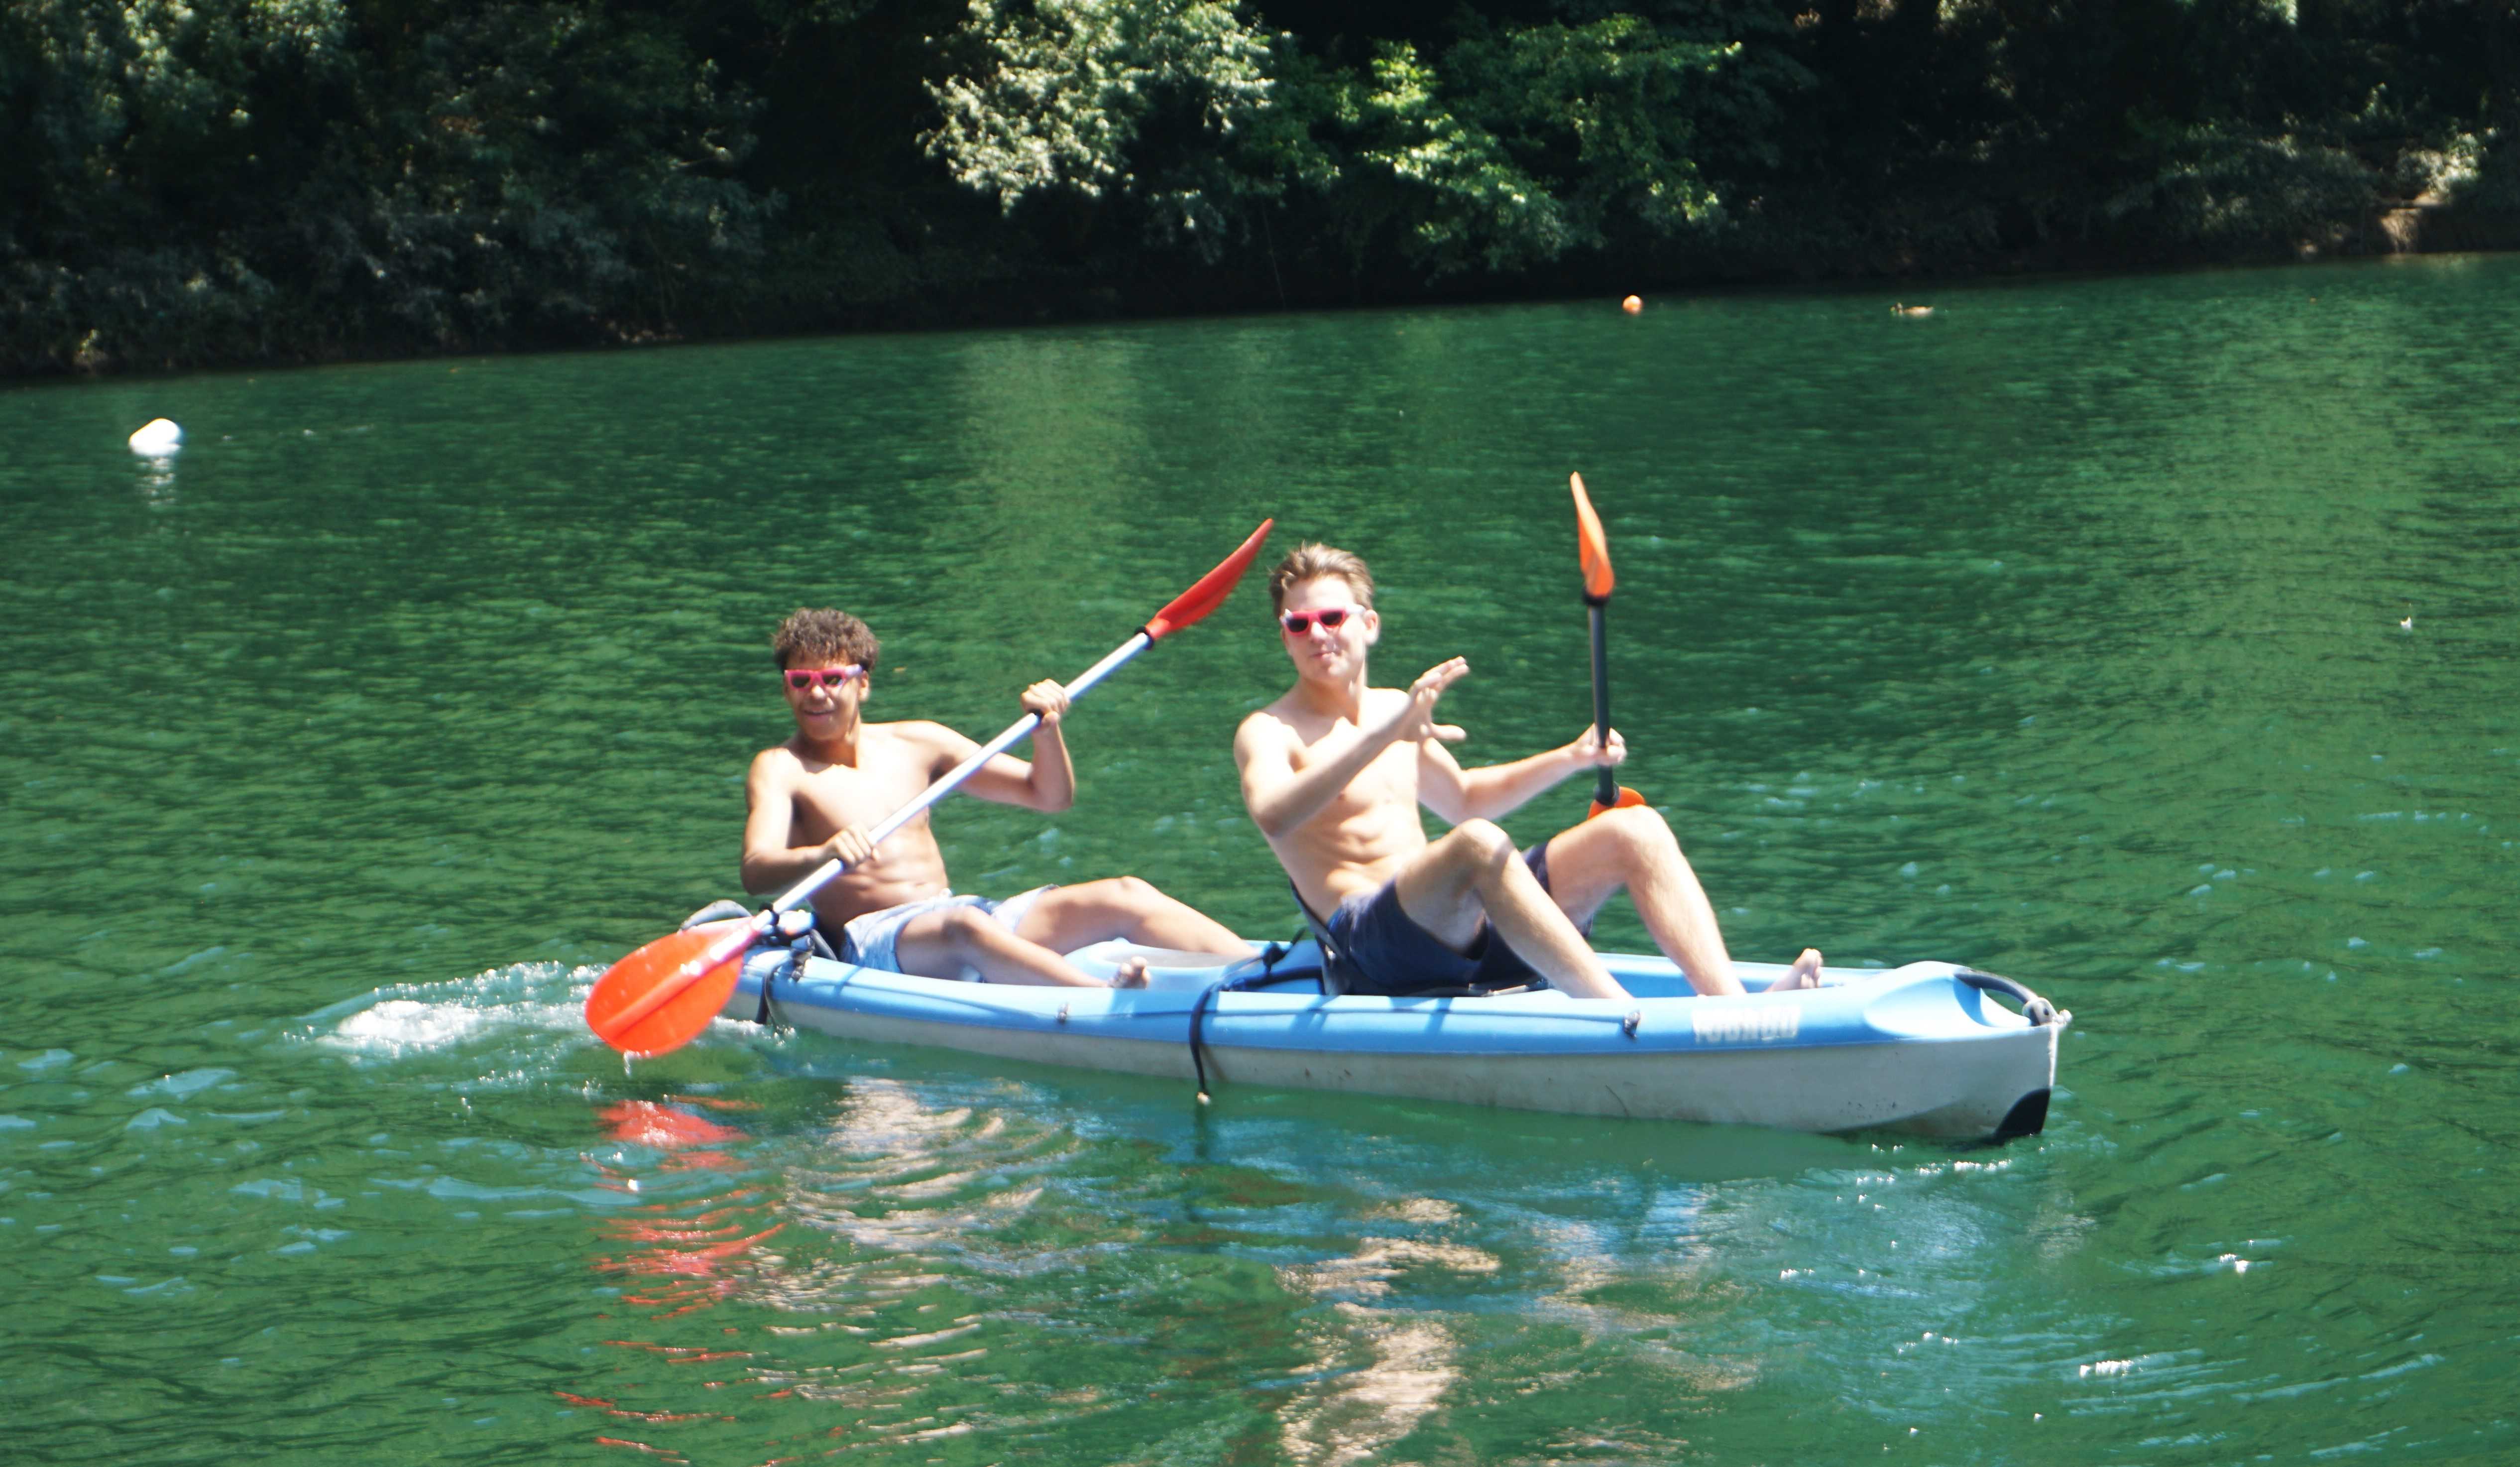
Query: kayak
(1924, 1048)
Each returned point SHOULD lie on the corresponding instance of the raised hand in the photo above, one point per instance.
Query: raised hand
(1417, 721)
(1048, 699)
(1587, 749)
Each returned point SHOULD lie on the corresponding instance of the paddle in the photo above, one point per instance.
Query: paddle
(659, 997)
(1592, 549)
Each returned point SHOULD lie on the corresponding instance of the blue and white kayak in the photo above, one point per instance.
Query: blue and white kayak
(1920, 1048)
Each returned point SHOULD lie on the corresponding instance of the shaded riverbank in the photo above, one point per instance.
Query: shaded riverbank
(236, 183)
(800, 300)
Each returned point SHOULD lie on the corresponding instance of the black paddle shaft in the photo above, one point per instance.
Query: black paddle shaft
(1607, 790)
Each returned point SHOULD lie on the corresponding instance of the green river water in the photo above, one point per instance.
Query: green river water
(2152, 641)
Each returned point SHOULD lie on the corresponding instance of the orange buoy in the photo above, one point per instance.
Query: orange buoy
(1632, 304)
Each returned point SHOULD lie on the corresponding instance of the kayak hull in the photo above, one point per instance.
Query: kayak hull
(1914, 1048)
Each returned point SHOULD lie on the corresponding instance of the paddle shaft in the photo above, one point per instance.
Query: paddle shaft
(1605, 792)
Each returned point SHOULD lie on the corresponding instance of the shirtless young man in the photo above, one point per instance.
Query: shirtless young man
(813, 798)
(1333, 773)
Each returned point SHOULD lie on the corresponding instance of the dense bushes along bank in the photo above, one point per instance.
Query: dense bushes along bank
(192, 182)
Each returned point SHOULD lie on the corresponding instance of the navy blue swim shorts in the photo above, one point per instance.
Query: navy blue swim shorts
(1396, 956)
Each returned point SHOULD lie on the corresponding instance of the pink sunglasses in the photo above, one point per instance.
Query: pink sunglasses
(1332, 619)
(834, 678)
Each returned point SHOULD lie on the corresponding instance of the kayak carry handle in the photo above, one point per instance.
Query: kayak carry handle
(2034, 1008)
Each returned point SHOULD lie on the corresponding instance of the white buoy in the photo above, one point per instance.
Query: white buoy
(157, 438)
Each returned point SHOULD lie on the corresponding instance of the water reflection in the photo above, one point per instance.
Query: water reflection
(680, 1263)
(957, 1254)
(1378, 1374)
(677, 1256)
(158, 481)
(1375, 1372)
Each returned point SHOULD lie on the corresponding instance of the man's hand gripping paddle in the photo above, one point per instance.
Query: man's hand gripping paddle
(659, 997)
(1593, 548)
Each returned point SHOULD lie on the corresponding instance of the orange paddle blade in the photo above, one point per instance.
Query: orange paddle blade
(1627, 797)
(658, 997)
(1211, 589)
(1593, 546)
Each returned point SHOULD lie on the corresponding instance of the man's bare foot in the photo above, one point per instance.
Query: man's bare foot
(1131, 974)
(1804, 974)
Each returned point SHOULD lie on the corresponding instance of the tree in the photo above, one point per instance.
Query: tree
(1059, 96)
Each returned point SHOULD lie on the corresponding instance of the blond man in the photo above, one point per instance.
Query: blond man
(1333, 773)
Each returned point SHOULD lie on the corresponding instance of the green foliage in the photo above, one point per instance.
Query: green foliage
(1601, 115)
(137, 135)
(2220, 187)
(371, 173)
(118, 111)
(538, 164)
(226, 180)
(1524, 144)
(1459, 190)
(1056, 95)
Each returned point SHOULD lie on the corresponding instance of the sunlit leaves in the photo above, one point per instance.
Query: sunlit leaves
(1057, 92)
(108, 96)
(1516, 146)
(1466, 197)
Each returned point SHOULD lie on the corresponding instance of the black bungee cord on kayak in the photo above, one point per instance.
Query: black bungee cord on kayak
(808, 944)
(1268, 958)
(805, 940)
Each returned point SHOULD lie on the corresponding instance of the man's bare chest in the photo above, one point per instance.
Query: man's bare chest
(835, 795)
(1388, 780)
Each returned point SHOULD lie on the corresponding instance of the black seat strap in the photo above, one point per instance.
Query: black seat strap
(1339, 975)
